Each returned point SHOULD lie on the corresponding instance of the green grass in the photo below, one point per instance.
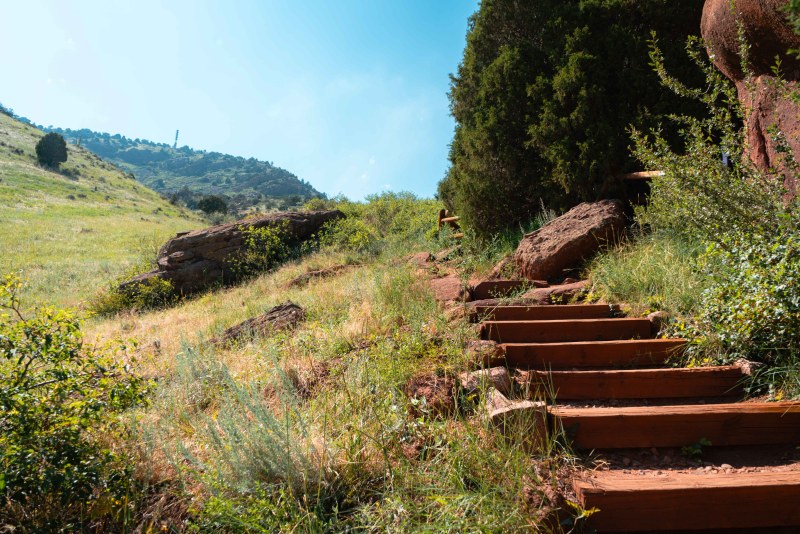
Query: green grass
(310, 430)
(72, 232)
(306, 430)
(651, 272)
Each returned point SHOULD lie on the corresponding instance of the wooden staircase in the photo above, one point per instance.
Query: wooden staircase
(613, 391)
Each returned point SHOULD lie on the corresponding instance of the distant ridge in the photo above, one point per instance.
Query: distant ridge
(187, 174)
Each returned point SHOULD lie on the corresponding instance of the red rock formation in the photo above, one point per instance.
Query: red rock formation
(765, 103)
(194, 260)
(565, 242)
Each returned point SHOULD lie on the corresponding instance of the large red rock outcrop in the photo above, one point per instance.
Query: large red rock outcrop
(766, 105)
(194, 260)
(570, 239)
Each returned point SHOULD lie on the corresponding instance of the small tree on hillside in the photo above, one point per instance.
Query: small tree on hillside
(51, 150)
(213, 203)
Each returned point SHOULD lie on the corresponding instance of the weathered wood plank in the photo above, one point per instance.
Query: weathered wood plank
(589, 354)
(544, 313)
(565, 330)
(757, 423)
(640, 383)
(690, 501)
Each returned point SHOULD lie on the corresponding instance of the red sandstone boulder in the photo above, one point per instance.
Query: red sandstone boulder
(449, 289)
(194, 260)
(570, 239)
(557, 294)
(769, 35)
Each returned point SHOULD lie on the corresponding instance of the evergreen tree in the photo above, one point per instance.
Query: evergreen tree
(51, 150)
(213, 204)
(544, 96)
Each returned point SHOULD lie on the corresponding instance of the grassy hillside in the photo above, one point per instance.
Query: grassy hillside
(71, 232)
(191, 174)
(309, 430)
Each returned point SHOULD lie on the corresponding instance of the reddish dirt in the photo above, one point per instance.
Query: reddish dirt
(437, 391)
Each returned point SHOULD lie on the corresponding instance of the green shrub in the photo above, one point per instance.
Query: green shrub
(212, 204)
(51, 150)
(752, 307)
(389, 222)
(153, 293)
(58, 401)
(542, 99)
(264, 249)
(350, 234)
(698, 195)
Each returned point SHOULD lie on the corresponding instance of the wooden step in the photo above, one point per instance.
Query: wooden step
(489, 289)
(639, 383)
(629, 502)
(565, 330)
(544, 313)
(589, 354)
(751, 423)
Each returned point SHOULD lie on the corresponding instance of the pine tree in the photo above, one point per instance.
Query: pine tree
(51, 150)
(543, 99)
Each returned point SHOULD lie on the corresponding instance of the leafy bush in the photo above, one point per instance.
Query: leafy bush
(212, 204)
(264, 249)
(59, 399)
(384, 222)
(751, 307)
(151, 294)
(697, 194)
(51, 150)
(349, 235)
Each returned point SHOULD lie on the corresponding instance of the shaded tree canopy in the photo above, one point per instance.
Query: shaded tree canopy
(51, 150)
(544, 96)
(212, 204)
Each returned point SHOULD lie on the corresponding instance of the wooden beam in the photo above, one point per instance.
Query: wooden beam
(640, 383)
(688, 501)
(591, 354)
(642, 175)
(565, 330)
(544, 313)
(752, 423)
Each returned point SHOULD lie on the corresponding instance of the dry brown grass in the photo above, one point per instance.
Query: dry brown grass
(162, 333)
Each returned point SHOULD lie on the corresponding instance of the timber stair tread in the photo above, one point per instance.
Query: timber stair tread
(688, 501)
(532, 312)
(590, 354)
(556, 330)
(722, 381)
(680, 425)
(587, 355)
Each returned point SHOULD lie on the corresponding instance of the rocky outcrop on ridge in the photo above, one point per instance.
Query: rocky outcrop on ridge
(194, 260)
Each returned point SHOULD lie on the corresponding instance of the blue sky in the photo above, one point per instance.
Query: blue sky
(350, 95)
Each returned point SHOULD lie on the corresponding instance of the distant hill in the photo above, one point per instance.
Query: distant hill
(72, 231)
(187, 175)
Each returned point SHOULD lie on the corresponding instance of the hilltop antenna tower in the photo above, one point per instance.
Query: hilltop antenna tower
(176, 139)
